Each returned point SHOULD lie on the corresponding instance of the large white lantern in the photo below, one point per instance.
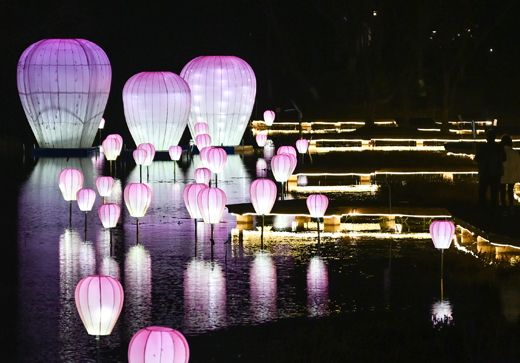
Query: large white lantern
(63, 86)
(157, 105)
(223, 90)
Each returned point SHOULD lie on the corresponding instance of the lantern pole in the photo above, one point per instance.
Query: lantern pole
(70, 215)
(147, 173)
(262, 234)
(196, 240)
(86, 226)
(111, 243)
(140, 173)
(137, 230)
(442, 274)
(174, 169)
(110, 167)
(97, 349)
(212, 241)
(318, 230)
(283, 189)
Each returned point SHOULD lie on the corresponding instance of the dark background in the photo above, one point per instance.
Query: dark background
(333, 58)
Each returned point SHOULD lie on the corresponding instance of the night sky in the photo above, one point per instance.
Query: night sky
(329, 56)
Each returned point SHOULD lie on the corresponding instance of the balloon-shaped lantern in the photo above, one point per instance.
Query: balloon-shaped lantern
(263, 195)
(99, 300)
(269, 117)
(140, 158)
(286, 150)
(190, 199)
(109, 215)
(86, 198)
(442, 233)
(104, 185)
(202, 141)
(158, 344)
(70, 181)
(281, 165)
(261, 139)
(101, 127)
(156, 105)
(175, 152)
(203, 155)
(111, 149)
(137, 199)
(216, 159)
(223, 90)
(202, 176)
(150, 155)
(211, 203)
(201, 128)
(119, 139)
(63, 86)
(317, 205)
(302, 145)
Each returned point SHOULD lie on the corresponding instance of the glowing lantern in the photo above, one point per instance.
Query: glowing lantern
(286, 150)
(158, 344)
(190, 199)
(223, 90)
(99, 300)
(317, 205)
(119, 142)
(202, 141)
(442, 233)
(70, 181)
(269, 117)
(203, 154)
(294, 162)
(111, 150)
(216, 158)
(140, 156)
(156, 105)
(137, 199)
(263, 195)
(281, 166)
(201, 128)
(211, 203)
(261, 139)
(63, 86)
(150, 153)
(302, 145)
(109, 214)
(104, 185)
(86, 199)
(175, 152)
(101, 124)
(202, 176)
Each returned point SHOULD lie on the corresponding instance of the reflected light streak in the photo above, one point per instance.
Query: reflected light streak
(317, 287)
(107, 265)
(204, 296)
(138, 289)
(441, 313)
(263, 288)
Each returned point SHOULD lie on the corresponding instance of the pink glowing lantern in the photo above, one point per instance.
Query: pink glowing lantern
(281, 165)
(317, 205)
(203, 155)
(190, 199)
(157, 106)
(286, 150)
(119, 139)
(111, 148)
(150, 152)
(261, 140)
(101, 124)
(104, 185)
(137, 199)
(109, 215)
(202, 176)
(223, 90)
(86, 198)
(140, 156)
(302, 145)
(201, 128)
(175, 152)
(99, 300)
(269, 117)
(442, 233)
(70, 181)
(294, 162)
(211, 203)
(217, 158)
(202, 141)
(261, 168)
(63, 86)
(156, 344)
(263, 195)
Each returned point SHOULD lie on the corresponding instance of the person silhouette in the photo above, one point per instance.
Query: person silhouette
(511, 173)
(489, 158)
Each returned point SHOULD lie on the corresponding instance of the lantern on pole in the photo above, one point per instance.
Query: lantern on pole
(216, 158)
(109, 215)
(104, 185)
(281, 166)
(158, 344)
(150, 155)
(269, 119)
(202, 141)
(86, 198)
(286, 150)
(317, 205)
(261, 140)
(263, 195)
(302, 145)
(202, 175)
(101, 127)
(111, 150)
(119, 139)
(70, 181)
(175, 152)
(99, 300)
(201, 128)
(190, 200)
(137, 199)
(442, 233)
(203, 155)
(211, 203)
(140, 156)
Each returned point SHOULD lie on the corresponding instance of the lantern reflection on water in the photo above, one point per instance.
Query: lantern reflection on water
(138, 286)
(317, 287)
(263, 288)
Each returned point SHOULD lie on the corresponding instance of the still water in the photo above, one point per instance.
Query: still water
(173, 278)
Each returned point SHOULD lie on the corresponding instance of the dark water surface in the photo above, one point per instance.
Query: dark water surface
(170, 278)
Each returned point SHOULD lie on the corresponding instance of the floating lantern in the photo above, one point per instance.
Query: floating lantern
(269, 117)
(202, 176)
(157, 106)
(302, 145)
(175, 152)
(201, 128)
(99, 300)
(86, 198)
(211, 203)
(281, 166)
(203, 155)
(202, 141)
(137, 199)
(111, 148)
(70, 181)
(158, 344)
(263, 195)
(317, 205)
(442, 233)
(223, 90)
(140, 158)
(109, 215)
(216, 158)
(104, 185)
(150, 153)
(190, 199)
(119, 139)
(261, 139)
(63, 86)
(286, 150)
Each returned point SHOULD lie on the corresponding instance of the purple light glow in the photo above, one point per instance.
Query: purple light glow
(263, 288)
(442, 233)
(317, 287)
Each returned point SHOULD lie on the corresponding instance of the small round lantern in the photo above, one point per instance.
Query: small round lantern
(175, 152)
(202, 141)
(104, 185)
(261, 140)
(109, 215)
(156, 344)
(202, 176)
(201, 128)
(190, 199)
(269, 117)
(302, 145)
